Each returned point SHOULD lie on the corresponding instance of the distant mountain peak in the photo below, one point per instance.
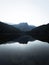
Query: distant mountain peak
(24, 27)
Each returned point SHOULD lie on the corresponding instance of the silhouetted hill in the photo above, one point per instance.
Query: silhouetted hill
(24, 27)
(40, 33)
(5, 28)
(8, 32)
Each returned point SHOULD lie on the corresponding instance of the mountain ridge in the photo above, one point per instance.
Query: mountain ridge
(8, 32)
(24, 27)
(40, 33)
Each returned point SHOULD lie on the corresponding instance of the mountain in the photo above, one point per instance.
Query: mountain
(23, 33)
(24, 27)
(40, 33)
(5, 28)
(8, 32)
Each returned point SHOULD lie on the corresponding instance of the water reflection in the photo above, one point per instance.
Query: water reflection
(22, 40)
(36, 52)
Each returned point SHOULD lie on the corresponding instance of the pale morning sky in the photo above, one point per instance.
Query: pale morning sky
(34, 12)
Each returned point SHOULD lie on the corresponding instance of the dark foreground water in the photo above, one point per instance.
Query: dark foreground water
(33, 53)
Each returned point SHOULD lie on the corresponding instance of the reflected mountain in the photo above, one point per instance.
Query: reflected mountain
(24, 39)
(41, 33)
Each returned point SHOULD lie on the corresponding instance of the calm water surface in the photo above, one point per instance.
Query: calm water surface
(35, 52)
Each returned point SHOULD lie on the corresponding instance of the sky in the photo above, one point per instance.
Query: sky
(34, 12)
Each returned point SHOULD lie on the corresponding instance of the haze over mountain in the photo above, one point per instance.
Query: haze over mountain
(40, 33)
(24, 26)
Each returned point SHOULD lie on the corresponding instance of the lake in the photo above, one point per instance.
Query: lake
(32, 53)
